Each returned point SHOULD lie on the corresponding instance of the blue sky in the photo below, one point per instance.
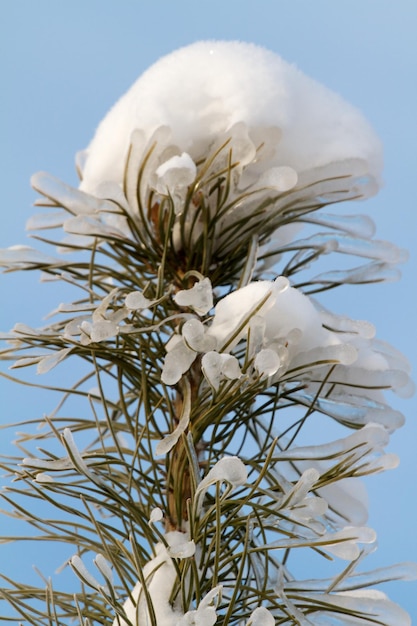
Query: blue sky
(64, 64)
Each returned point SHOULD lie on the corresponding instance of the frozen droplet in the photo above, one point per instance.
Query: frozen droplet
(205, 614)
(383, 463)
(77, 459)
(25, 361)
(230, 367)
(89, 226)
(72, 307)
(177, 361)
(199, 297)
(101, 310)
(230, 469)
(318, 357)
(342, 324)
(73, 328)
(194, 335)
(168, 442)
(368, 273)
(118, 315)
(135, 300)
(171, 371)
(211, 364)
(24, 329)
(302, 487)
(41, 477)
(261, 617)
(343, 543)
(267, 362)
(215, 365)
(55, 465)
(156, 515)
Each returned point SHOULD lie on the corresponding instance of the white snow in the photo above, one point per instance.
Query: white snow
(160, 575)
(180, 546)
(234, 312)
(288, 314)
(202, 90)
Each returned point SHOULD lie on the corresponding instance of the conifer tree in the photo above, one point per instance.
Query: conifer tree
(209, 455)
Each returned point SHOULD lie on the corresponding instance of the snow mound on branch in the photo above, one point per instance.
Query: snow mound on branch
(202, 90)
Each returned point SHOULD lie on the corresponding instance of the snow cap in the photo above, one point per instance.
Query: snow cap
(200, 91)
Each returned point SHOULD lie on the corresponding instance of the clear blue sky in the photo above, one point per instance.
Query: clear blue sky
(63, 64)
